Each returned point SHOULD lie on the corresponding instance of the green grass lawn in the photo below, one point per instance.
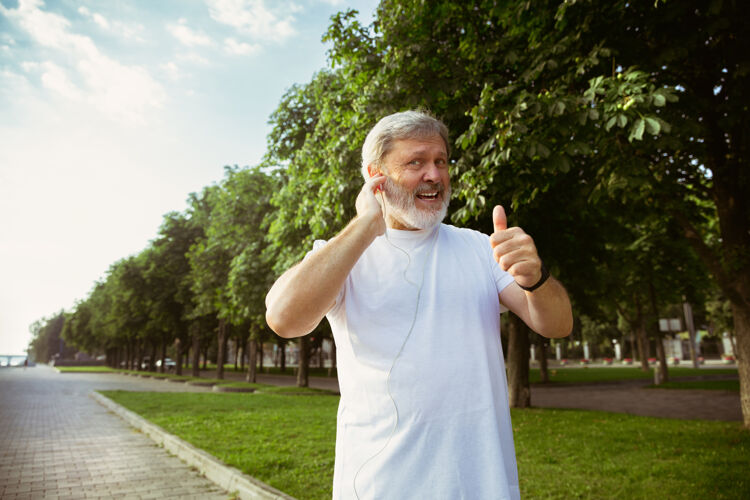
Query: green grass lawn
(591, 374)
(86, 369)
(288, 442)
(275, 370)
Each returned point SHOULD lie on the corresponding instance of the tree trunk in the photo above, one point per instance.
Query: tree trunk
(138, 356)
(251, 367)
(244, 353)
(643, 346)
(196, 368)
(519, 392)
(641, 333)
(260, 356)
(688, 312)
(333, 359)
(304, 361)
(178, 347)
(221, 349)
(742, 355)
(662, 360)
(541, 350)
(163, 356)
(152, 358)
(282, 355)
(656, 334)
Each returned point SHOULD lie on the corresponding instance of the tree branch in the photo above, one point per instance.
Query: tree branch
(709, 258)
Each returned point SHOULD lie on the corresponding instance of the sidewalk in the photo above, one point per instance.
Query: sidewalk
(630, 396)
(57, 442)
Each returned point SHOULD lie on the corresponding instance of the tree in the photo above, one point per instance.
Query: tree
(694, 173)
(47, 342)
(209, 268)
(554, 105)
(168, 275)
(243, 213)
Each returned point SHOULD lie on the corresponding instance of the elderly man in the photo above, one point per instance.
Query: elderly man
(414, 306)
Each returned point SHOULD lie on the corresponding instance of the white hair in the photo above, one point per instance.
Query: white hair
(405, 125)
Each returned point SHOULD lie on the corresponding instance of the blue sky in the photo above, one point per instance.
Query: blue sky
(112, 112)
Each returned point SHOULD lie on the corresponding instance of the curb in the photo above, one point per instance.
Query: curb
(229, 478)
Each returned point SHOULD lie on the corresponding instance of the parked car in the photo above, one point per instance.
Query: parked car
(169, 365)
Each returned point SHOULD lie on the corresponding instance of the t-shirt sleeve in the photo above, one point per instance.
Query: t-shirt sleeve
(317, 245)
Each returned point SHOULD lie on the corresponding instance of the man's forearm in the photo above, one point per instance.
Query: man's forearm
(303, 295)
(550, 313)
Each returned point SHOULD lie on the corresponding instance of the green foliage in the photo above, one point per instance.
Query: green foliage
(614, 132)
(46, 335)
(228, 272)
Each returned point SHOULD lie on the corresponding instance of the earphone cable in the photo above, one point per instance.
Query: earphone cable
(403, 344)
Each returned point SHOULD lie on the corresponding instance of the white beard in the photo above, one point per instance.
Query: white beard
(401, 205)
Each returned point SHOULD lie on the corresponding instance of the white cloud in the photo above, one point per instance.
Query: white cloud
(234, 47)
(8, 39)
(193, 58)
(128, 31)
(116, 89)
(56, 79)
(101, 21)
(95, 16)
(172, 70)
(254, 18)
(187, 36)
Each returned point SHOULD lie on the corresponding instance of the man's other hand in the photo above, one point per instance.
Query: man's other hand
(514, 250)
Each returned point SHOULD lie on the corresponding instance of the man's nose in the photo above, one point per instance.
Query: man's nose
(431, 172)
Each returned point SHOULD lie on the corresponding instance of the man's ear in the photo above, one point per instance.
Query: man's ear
(373, 170)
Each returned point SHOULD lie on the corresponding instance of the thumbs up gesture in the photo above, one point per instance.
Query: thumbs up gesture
(514, 250)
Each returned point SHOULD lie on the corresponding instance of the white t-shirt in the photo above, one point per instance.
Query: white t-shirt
(439, 427)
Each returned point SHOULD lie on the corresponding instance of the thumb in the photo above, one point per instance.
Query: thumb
(499, 220)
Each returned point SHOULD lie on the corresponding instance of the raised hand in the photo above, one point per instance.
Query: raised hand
(367, 205)
(514, 250)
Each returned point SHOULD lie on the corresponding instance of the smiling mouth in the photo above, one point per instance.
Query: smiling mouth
(428, 196)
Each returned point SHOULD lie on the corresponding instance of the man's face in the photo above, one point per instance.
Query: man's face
(418, 188)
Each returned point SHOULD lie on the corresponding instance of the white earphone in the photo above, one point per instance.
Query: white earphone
(403, 344)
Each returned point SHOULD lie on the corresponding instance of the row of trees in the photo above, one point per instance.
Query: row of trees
(616, 132)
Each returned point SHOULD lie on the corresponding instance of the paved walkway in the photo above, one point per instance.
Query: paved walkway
(57, 442)
(620, 397)
(634, 398)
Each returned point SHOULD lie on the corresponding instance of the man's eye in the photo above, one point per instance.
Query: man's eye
(415, 163)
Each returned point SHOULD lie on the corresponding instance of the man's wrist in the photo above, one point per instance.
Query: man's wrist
(542, 279)
(369, 224)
